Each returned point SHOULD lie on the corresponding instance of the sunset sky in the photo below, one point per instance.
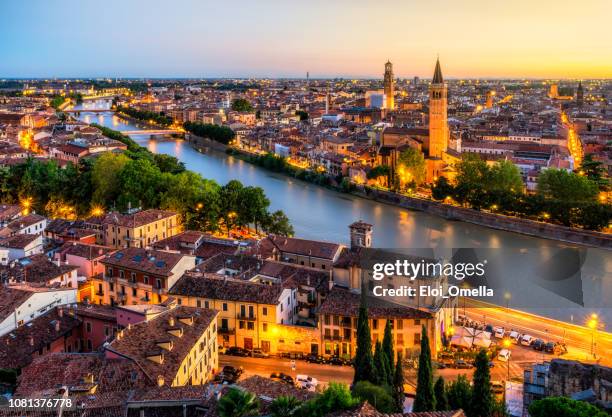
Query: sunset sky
(285, 38)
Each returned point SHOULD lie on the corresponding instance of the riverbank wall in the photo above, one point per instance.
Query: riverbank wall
(200, 143)
(492, 220)
(481, 218)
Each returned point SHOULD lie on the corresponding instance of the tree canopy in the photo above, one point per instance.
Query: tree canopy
(241, 104)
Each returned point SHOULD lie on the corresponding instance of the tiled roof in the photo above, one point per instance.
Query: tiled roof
(17, 347)
(83, 250)
(304, 247)
(219, 287)
(10, 299)
(150, 261)
(25, 221)
(141, 339)
(366, 410)
(9, 211)
(19, 241)
(343, 302)
(47, 373)
(137, 219)
(36, 268)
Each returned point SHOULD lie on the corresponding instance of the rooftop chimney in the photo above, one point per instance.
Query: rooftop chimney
(31, 340)
(171, 321)
(60, 312)
(57, 325)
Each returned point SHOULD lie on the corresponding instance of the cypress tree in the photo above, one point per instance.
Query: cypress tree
(380, 365)
(425, 399)
(441, 397)
(364, 363)
(387, 346)
(482, 397)
(398, 384)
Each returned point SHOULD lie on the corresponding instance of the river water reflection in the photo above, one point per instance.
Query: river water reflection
(318, 213)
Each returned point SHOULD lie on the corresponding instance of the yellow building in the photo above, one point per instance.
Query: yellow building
(251, 314)
(338, 324)
(175, 348)
(138, 230)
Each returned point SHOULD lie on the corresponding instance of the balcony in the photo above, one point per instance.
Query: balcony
(247, 317)
(332, 337)
(225, 330)
(143, 286)
(100, 293)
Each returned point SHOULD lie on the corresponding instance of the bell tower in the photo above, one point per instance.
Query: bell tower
(438, 123)
(389, 85)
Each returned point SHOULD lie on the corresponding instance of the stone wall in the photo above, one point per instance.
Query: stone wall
(496, 221)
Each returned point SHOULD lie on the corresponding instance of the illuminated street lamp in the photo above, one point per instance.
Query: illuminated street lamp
(507, 343)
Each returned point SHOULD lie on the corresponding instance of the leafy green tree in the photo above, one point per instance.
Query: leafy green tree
(425, 399)
(278, 223)
(387, 348)
(376, 395)
(440, 392)
(254, 206)
(411, 167)
(105, 177)
(472, 175)
(364, 362)
(398, 384)
(459, 393)
(378, 172)
(168, 163)
(482, 403)
(381, 365)
(335, 398)
(303, 115)
(222, 134)
(565, 186)
(242, 105)
(230, 202)
(563, 407)
(285, 406)
(442, 189)
(594, 171)
(238, 403)
(504, 177)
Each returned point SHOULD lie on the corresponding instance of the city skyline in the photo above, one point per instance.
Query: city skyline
(276, 40)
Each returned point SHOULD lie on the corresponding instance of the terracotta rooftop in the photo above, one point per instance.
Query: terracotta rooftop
(343, 302)
(219, 287)
(25, 221)
(150, 261)
(137, 219)
(10, 299)
(83, 250)
(17, 347)
(303, 247)
(141, 339)
(19, 241)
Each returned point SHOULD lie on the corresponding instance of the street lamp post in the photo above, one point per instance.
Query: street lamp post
(507, 344)
(507, 297)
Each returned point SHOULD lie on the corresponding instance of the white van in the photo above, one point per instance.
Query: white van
(504, 355)
(499, 332)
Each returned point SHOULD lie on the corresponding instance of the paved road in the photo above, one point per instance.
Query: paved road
(577, 338)
(264, 367)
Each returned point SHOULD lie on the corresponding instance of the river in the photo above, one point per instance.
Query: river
(516, 262)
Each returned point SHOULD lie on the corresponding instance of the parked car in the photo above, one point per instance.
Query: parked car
(237, 351)
(514, 336)
(282, 377)
(504, 355)
(527, 340)
(538, 344)
(228, 369)
(555, 348)
(438, 365)
(258, 353)
(499, 332)
(306, 382)
(497, 387)
(315, 359)
(461, 364)
(336, 360)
